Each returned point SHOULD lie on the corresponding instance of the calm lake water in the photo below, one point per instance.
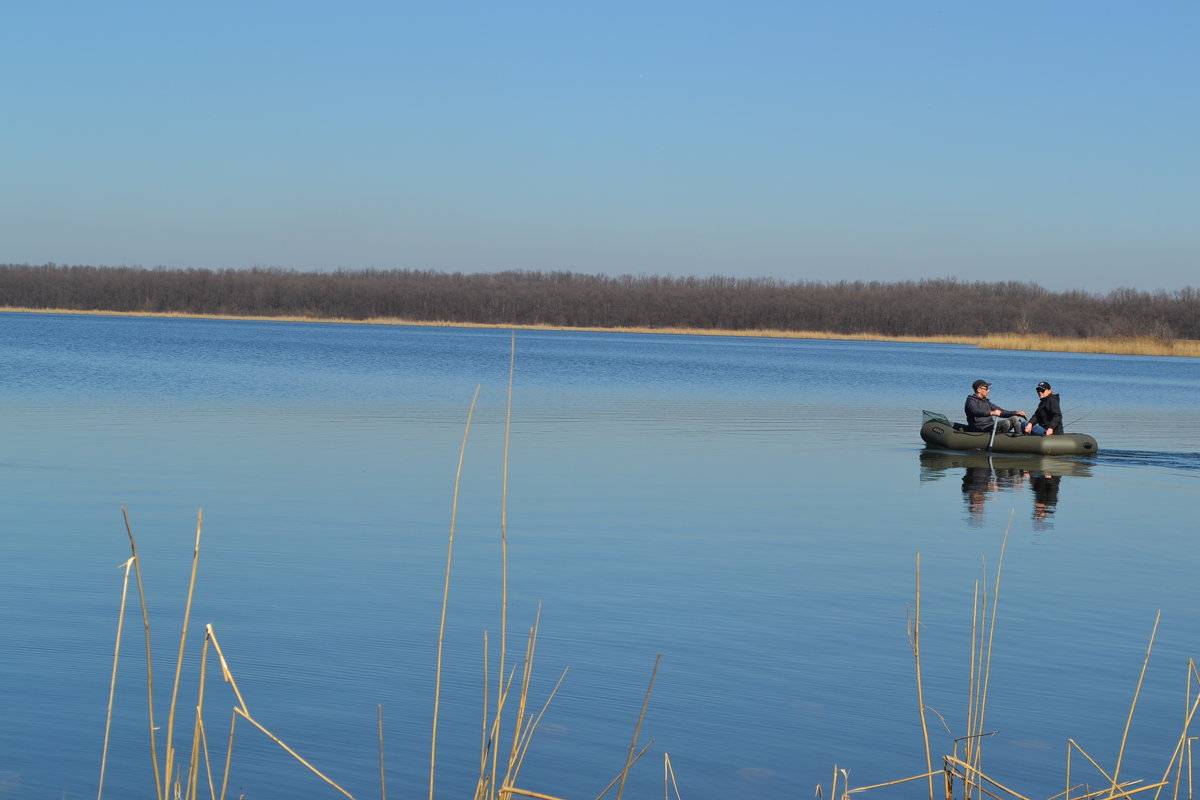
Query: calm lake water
(752, 509)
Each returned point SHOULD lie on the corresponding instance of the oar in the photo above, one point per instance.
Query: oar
(993, 433)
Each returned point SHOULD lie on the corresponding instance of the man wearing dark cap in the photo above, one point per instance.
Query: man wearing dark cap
(1047, 417)
(983, 415)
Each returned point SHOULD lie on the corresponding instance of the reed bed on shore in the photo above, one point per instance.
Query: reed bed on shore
(506, 735)
(1118, 345)
(960, 775)
(1114, 345)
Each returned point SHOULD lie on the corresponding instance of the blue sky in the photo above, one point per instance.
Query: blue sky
(1053, 142)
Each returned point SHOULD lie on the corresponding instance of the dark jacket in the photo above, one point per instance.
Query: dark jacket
(978, 413)
(1048, 414)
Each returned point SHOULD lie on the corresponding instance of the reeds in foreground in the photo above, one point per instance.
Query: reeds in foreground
(497, 778)
(962, 775)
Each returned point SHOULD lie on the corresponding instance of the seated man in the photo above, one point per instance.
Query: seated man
(984, 415)
(1047, 417)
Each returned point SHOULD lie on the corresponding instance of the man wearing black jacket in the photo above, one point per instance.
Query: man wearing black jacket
(1047, 419)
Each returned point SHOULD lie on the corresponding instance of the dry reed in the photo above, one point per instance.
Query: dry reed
(968, 772)
(382, 782)
(669, 778)
(637, 728)
(112, 689)
(137, 569)
(437, 690)
(614, 781)
(184, 784)
(174, 786)
(169, 760)
(1133, 705)
(512, 360)
(914, 638)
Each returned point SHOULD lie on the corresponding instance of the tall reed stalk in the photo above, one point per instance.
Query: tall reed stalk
(1133, 705)
(112, 689)
(437, 689)
(137, 570)
(637, 729)
(178, 783)
(915, 641)
(169, 760)
(979, 701)
(382, 782)
(500, 688)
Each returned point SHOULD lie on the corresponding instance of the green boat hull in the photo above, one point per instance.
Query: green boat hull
(947, 437)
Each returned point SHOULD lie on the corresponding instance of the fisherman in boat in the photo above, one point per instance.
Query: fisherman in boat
(984, 415)
(1047, 417)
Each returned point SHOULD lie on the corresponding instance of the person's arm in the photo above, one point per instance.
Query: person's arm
(995, 410)
(1053, 417)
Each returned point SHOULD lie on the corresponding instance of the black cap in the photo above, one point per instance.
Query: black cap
(1043, 385)
(979, 383)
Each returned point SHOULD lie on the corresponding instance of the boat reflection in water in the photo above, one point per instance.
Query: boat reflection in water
(985, 475)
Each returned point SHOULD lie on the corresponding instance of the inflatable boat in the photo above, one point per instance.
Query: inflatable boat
(938, 431)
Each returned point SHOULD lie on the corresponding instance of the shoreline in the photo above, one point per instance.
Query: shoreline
(1140, 346)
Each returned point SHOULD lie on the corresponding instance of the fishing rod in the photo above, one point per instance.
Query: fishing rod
(1084, 416)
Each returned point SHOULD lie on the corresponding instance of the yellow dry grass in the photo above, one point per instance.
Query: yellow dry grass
(1117, 345)
(1114, 345)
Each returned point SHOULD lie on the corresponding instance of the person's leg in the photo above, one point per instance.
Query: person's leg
(1038, 430)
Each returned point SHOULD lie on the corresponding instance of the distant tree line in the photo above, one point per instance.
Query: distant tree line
(904, 308)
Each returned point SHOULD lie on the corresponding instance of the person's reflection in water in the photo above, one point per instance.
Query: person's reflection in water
(985, 477)
(977, 483)
(1045, 500)
(1010, 477)
(980, 482)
